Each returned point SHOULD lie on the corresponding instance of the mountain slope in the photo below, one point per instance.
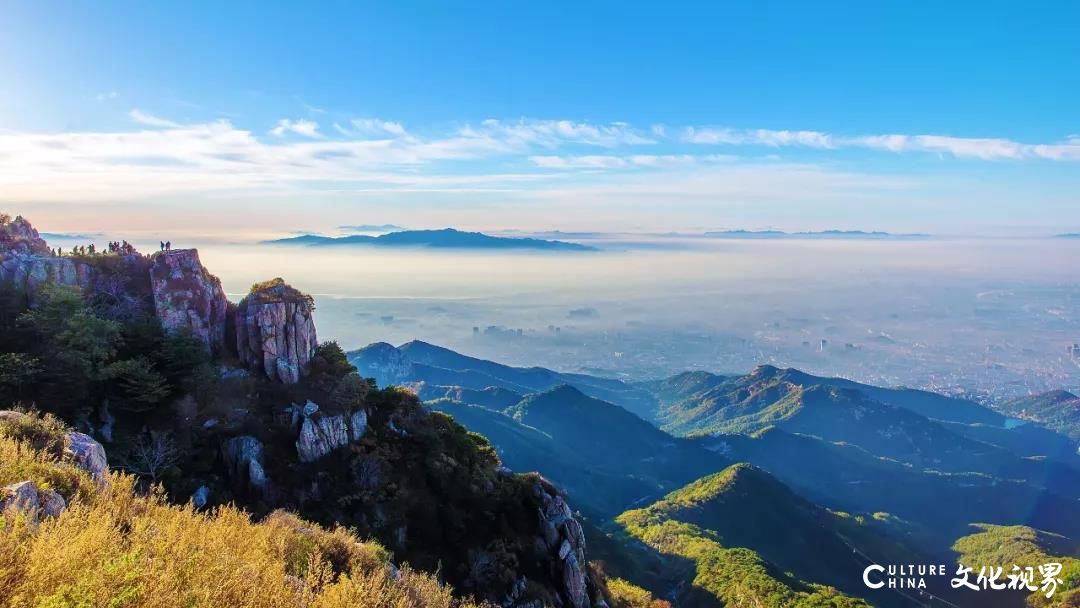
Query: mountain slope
(600, 491)
(939, 505)
(1009, 546)
(608, 438)
(755, 542)
(1057, 410)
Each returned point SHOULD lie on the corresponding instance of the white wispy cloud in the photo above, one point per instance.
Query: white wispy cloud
(959, 147)
(593, 161)
(307, 128)
(361, 126)
(165, 157)
(553, 133)
(150, 120)
(105, 96)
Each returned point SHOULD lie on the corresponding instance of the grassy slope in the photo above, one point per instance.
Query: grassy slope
(752, 541)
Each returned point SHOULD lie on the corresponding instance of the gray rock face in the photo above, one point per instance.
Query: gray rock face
(188, 297)
(564, 537)
(31, 272)
(25, 498)
(358, 424)
(321, 435)
(89, 455)
(275, 331)
(243, 459)
(52, 503)
(21, 497)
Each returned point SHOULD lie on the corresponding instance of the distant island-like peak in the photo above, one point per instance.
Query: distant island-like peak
(448, 238)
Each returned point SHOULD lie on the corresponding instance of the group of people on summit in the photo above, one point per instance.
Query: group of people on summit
(121, 247)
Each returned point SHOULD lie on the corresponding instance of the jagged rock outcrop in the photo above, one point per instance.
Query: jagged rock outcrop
(564, 539)
(321, 434)
(18, 236)
(33, 503)
(188, 297)
(89, 455)
(275, 331)
(243, 458)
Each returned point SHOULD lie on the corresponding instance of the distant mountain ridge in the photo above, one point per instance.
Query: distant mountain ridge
(822, 234)
(417, 361)
(448, 238)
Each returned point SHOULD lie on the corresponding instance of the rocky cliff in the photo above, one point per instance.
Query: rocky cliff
(188, 298)
(18, 236)
(27, 263)
(275, 331)
(272, 330)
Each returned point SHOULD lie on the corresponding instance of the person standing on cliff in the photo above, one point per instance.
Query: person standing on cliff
(162, 245)
(168, 245)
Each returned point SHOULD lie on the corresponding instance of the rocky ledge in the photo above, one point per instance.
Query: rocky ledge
(275, 331)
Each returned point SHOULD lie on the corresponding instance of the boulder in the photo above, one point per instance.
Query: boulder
(188, 298)
(243, 460)
(89, 455)
(275, 331)
(25, 498)
(52, 503)
(22, 498)
(320, 435)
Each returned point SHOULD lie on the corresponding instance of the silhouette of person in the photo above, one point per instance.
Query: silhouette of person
(162, 245)
(168, 245)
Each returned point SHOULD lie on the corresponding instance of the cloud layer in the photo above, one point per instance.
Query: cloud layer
(526, 159)
(959, 147)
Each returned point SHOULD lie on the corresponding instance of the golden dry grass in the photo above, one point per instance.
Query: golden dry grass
(121, 549)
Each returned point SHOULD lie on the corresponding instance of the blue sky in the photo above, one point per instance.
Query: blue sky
(945, 117)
